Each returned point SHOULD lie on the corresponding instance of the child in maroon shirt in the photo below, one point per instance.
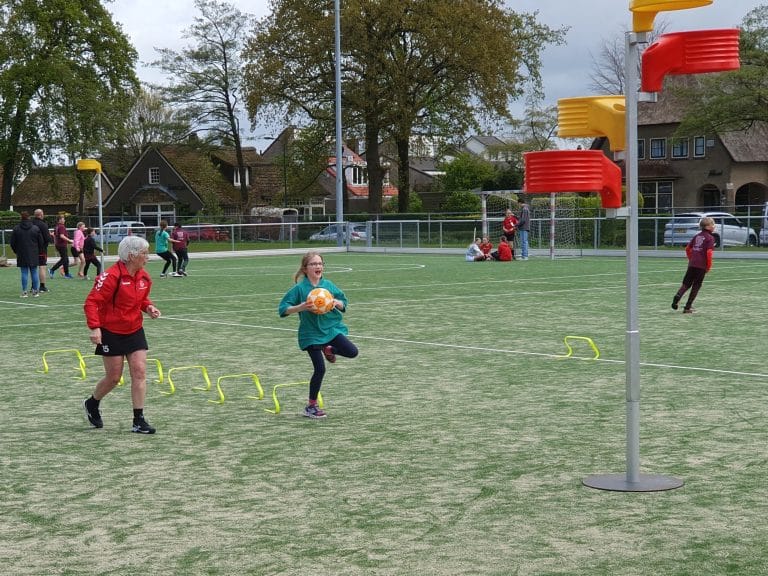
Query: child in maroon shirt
(699, 251)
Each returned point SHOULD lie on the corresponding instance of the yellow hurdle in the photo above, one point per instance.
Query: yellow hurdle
(585, 339)
(203, 369)
(276, 410)
(80, 361)
(252, 376)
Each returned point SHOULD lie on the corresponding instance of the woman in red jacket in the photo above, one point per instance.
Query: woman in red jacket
(113, 311)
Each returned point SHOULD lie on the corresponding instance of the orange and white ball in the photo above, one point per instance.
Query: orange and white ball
(320, 301)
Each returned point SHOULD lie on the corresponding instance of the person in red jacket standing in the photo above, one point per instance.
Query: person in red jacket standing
(113, 312)
(509, 229)
(699, 251)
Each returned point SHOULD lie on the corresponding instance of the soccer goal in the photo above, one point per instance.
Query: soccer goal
(555, 227)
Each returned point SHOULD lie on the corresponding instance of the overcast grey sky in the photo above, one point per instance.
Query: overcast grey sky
(159, 24)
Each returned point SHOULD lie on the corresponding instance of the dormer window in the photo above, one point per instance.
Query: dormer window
(236, 180)
(154, 175)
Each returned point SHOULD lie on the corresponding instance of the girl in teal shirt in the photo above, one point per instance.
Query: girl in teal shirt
(162, 238)
(322, 336)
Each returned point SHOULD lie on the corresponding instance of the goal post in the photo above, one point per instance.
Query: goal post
(555, 228)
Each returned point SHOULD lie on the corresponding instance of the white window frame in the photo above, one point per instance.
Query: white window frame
(699, 147)
(663, 142)
(236, 179)
(680, 148)
(154, 175)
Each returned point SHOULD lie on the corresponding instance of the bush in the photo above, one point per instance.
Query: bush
(462, 201)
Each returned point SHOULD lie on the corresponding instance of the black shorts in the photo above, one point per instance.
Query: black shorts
(75, 252)
(42, 259)
(121, 344)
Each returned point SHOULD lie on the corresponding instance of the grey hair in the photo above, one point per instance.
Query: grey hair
(131, 246)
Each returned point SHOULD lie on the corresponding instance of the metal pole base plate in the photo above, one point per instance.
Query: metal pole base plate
(645, 483)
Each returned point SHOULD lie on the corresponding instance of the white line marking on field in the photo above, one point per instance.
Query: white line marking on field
(483, 349)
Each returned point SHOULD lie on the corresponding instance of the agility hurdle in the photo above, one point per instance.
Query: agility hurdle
(585, 339)
(276, 409)
(203, 370)
(80, 361)
(252, 376)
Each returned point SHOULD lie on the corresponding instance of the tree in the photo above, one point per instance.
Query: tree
(150, 120)
(608, 67)
(65, 68)
(467, 172)
(733, 100)
(207, 76)
(407, 65)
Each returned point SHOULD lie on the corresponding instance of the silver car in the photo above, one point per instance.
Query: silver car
(352, 230)
(729, 230)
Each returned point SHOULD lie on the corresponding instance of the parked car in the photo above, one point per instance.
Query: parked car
(211, 232)
(764, 226)
(116, 231)
(355, 231)
(729, 230)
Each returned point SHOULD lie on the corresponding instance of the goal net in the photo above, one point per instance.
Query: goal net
(555, 225)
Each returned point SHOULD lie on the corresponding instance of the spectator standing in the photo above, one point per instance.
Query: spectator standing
(524, 227)
(60, 241)
(42, 269)
(181, 242)
(89, 252)
(113, 311)
(509, 228)
(27, 242)
(162, 240)
(78, 240)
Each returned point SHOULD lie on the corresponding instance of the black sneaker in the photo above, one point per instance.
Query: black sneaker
(92, 413)
(675, 301)
(141, 426)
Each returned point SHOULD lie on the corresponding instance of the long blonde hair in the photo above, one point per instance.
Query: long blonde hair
(302, 271)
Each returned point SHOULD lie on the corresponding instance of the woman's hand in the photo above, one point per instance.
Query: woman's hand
(95, 336)
(153, 312)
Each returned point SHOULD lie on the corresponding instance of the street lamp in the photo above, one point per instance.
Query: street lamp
(89, 164)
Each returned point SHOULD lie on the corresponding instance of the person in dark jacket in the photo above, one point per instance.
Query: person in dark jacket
(89, 252)
(27, 242)
(42, 269)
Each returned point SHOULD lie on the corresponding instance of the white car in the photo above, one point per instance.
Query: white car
(729, 230)
(764, 226)
(352, 230)
(116, 231)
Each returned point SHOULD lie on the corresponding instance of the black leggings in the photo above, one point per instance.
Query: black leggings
(341, 345)
(170, 260)
(693, 279)
(63, 260)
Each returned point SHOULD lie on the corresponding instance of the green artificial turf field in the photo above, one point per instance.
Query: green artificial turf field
(455, 443)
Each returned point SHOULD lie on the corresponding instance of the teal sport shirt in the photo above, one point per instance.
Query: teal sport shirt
(315, 329)
(161, 241)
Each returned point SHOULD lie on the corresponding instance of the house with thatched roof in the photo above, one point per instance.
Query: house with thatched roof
(163, 182)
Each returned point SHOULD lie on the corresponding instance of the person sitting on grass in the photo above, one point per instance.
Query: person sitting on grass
(474, 253)
(504, 252)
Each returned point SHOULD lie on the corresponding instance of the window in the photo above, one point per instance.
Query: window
(151, 214)
(657, 196)
(154, 175)
(698, 147)
(680, 148)
(658, 148)
(359, 175)
(640, 148)
(236, 180)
